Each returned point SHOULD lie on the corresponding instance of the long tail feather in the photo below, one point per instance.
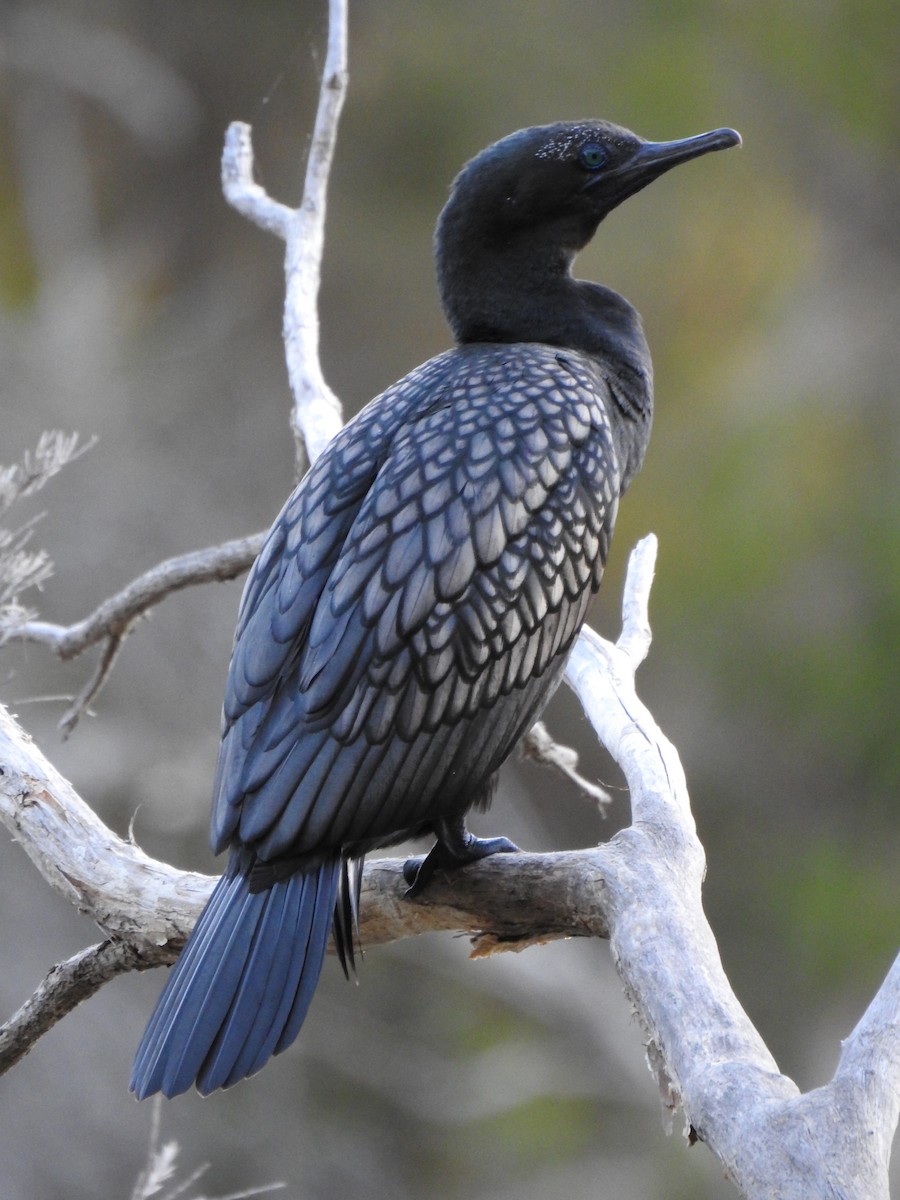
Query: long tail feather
(241, 988)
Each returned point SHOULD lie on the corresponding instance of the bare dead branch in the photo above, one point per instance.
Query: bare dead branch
(115, 616)
(540, 747)
(137, 898)
(147, 908)
(702, 1047)
(63, 988)
(113, 620)
(80, 704)
(316, 413)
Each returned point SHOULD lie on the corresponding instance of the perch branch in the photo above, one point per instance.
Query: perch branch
(146, 908)
(702, 1047)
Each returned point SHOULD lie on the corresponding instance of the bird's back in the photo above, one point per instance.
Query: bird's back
(411, 612)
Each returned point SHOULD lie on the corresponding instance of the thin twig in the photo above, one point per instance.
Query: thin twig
(63, 988)
(316, 413)
(111, 622)
(54, 451)
(79, 705)
(161, 1168)
(538, 746)
(115, 615)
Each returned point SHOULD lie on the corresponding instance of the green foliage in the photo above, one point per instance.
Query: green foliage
(18, 272)
(546, 1130)
(838, 909)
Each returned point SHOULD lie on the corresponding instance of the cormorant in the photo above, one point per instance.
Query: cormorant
(413, 607)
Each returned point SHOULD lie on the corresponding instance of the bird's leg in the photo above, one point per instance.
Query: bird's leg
(455, 847)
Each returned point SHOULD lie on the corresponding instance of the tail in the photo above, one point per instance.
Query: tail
(242, 985)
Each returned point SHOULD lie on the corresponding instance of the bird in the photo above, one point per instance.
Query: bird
(413, 607)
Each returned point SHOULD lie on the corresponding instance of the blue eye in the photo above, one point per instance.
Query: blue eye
(592, 156)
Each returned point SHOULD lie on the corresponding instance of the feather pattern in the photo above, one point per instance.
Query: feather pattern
(242, 985)
(413, 607)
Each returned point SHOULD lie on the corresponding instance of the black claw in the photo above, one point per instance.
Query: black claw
(411, 869)
(418, 872)
(485, 847)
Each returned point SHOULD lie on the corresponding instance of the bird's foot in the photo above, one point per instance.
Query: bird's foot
(449, 855)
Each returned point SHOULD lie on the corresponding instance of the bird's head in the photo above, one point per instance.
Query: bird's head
(571, 174)
(521, 210)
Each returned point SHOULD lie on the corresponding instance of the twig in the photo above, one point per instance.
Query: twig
(54, 451)
(538, 746)
(22, 570)
(63, 988)
(161, 1165)
(316, 414)
(111, 622)
(79, 705)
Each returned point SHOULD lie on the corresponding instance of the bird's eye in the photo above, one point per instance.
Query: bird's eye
(592, 156)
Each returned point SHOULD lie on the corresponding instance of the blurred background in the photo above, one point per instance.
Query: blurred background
(137, 307)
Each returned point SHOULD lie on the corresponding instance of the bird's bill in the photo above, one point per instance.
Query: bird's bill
(652, 159)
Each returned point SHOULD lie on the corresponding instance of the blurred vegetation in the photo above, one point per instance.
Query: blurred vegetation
(134, 305)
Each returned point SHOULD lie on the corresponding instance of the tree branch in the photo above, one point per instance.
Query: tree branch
(146, 908)
(702, 1047)
(316, 414)
(112, 621)
(115, 616)
(62, 989)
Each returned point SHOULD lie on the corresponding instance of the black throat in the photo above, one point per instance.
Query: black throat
(525, 293)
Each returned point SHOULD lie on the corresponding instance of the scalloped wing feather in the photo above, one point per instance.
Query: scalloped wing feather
(436, 562)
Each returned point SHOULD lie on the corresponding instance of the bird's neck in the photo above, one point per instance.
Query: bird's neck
(535, 299)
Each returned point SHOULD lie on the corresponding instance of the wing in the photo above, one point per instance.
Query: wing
(413, 606)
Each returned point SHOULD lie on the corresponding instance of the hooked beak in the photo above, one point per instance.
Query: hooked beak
(652, 159)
